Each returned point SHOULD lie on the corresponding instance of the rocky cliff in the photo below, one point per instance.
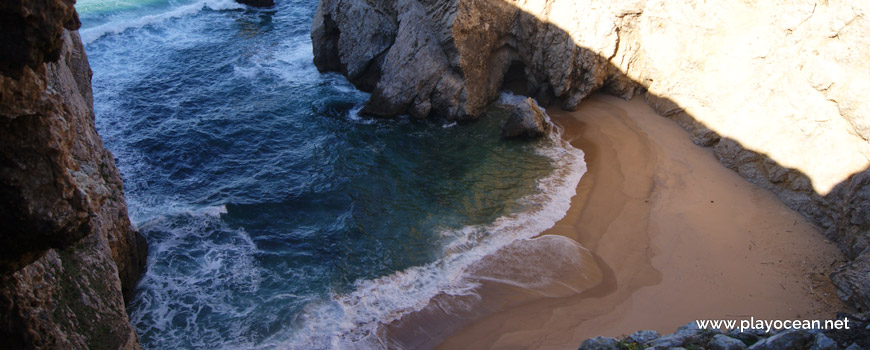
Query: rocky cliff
(777, 89)
(68, 253)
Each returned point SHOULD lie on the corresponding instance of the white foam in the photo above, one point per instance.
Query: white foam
(351, 321)
(508, 98)
(223, 265)
(354, 116)
(120, 25)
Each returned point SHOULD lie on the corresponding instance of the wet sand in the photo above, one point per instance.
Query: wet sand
(672, 236)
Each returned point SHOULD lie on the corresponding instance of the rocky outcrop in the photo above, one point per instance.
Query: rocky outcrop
(776, 89)
(527, 120)
(68, 252)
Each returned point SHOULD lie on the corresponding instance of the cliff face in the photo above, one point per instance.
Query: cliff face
(777, 89)
(68, 252)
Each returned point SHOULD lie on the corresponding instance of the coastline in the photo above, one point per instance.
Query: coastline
(676, 236)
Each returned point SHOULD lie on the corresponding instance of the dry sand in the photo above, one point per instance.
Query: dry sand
(674, 236)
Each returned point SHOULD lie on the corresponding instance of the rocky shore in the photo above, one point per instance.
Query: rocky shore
(771, 88)
(70, 257)
(690, 336)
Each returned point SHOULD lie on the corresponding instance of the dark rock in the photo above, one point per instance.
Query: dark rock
(822, 342)
(858, 332)
(853, 281)
(854, 346)
(748, 336)
(257, 3)
(673, 340)
(723, 342)
(600, 343)
(785, 340)
(642, 337)
(32, 32)
(527, 120)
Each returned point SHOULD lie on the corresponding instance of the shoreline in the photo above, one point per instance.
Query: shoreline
(673, 235)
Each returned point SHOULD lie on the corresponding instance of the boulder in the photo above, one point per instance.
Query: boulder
(794, 339)
(822, 342)
(527, 120)
(642, 337)
(723, 342)
(600, 343)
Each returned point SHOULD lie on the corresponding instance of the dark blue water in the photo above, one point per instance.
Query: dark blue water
(275, 214)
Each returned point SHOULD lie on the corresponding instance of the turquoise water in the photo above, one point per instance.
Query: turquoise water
(276, 215)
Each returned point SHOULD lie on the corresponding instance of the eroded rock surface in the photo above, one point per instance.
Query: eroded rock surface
(527, 120)
(777, 89)
(68, 252)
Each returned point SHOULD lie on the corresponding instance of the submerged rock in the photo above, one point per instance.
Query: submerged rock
(527, 120)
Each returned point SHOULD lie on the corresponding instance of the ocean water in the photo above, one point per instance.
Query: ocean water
(276, 215)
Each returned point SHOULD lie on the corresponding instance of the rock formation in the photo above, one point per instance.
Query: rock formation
(527, 120)
(777, 89)
(68, 253)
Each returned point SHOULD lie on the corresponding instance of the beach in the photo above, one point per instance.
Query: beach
(673, 235)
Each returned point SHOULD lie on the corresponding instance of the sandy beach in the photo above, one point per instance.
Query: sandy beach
(671, 236)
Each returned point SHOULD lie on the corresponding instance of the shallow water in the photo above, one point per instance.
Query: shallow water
(276, 215)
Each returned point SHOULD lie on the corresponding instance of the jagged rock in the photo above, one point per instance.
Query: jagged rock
(786, 340)
(673, 340)
(257, 3)
(642, 337)
(352, 38)
(28, 45)
(723, 342)
(600, 343)
(822, 342)
(747, 336)
(68, 252)
(852, 281)
(527, 120)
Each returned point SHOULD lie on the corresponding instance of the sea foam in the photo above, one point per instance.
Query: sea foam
(355, 320)
(118, 26)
